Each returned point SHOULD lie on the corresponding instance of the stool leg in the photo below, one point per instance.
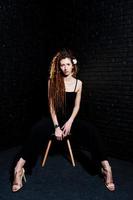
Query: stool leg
(46, 153)
(70, 151)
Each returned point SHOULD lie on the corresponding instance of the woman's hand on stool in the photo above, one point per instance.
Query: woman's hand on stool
(58, 133)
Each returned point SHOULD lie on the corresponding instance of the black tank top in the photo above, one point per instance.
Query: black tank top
(69, 105)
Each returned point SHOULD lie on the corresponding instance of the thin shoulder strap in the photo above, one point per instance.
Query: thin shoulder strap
(75, 85)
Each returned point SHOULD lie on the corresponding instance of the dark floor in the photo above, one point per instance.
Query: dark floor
(58, 180)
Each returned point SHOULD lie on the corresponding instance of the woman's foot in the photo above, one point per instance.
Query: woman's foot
(19, 175)
(108, 179)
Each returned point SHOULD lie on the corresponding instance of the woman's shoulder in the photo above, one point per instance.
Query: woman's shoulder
(79, 85)
(79, 81)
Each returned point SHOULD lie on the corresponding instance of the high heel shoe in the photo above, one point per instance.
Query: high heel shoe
(108, 179)
(20, 175)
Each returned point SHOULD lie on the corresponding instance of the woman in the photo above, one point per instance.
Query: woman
(64, 96)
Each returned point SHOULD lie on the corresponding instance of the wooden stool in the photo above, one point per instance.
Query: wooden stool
(48, 148)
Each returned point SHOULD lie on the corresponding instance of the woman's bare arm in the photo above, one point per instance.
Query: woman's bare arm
(77, 102)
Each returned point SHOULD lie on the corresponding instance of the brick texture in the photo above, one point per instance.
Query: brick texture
(22, 74)
(100, 33)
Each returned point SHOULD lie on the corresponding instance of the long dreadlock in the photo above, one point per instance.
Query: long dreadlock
(56, 92)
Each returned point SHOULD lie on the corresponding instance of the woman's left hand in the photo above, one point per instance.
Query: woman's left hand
(66, 128)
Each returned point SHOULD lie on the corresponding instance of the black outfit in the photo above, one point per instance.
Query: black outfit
(83, 133)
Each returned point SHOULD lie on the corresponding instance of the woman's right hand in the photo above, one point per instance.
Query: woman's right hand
(58, 133)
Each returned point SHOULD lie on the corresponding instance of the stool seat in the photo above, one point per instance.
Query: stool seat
(49, 145)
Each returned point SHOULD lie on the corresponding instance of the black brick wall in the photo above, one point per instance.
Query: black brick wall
(100, 33)
(22, 71)
(105, 39)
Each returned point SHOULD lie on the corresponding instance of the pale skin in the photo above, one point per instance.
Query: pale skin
(61, 132)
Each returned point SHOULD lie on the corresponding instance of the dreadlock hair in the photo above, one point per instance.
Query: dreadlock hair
(56, 91)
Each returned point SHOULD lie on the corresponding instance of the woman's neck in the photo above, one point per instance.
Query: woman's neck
(68, 78)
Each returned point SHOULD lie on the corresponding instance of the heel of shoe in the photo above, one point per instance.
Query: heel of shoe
(24, 177)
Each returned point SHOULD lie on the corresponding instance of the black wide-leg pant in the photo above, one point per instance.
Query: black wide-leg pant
(83, 134)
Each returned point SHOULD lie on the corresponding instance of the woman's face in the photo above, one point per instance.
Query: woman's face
(66, 66)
